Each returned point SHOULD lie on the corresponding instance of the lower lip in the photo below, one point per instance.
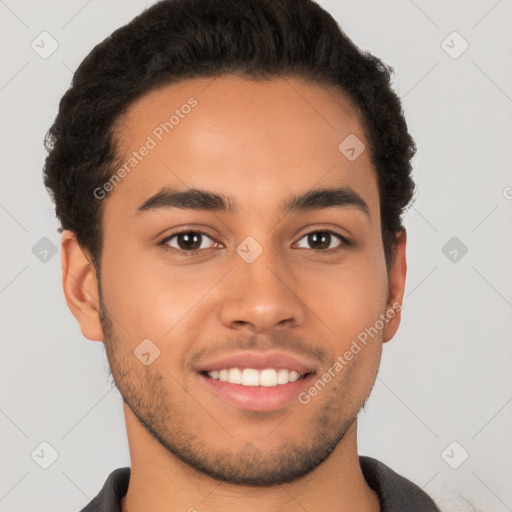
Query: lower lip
(257, 398)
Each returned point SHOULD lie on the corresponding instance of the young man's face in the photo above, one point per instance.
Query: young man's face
(307, 296)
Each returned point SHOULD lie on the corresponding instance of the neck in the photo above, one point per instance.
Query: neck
(161, 482)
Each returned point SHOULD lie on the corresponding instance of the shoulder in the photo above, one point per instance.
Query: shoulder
(395, 492)
(109, 497)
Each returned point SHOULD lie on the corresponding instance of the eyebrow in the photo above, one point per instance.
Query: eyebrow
(198, 199)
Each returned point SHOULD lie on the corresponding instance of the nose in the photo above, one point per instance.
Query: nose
(261, 296)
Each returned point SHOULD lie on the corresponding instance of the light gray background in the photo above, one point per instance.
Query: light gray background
(446, 375)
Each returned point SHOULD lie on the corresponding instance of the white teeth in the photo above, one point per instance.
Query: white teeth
(282, 376)
(235, 376)
(293, 376)
(250, 377)
(268, 377)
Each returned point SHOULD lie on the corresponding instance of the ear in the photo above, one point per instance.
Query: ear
(396, 279)
(80, 286)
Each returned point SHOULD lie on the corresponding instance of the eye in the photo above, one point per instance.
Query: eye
(323, 240)
(189, 242)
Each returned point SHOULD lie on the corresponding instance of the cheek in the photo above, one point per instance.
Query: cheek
(347, 298)
(149, 296)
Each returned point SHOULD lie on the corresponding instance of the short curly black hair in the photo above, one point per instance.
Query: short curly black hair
(181, 39)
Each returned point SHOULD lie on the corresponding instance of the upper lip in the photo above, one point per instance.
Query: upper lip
(260, 360)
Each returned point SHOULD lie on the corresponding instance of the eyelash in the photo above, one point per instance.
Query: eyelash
(181, 252)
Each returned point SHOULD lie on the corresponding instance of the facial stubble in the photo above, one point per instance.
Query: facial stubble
(161, 410)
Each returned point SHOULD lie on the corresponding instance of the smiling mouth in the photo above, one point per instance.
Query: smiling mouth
(257, 381)
(252, 377)
(258, 390)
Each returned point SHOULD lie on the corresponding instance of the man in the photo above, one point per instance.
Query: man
(230, 177)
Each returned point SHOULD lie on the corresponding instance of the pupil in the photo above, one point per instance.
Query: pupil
(189, 240)
(320, 240)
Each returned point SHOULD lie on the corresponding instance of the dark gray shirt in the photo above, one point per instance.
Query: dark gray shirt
(396, 493)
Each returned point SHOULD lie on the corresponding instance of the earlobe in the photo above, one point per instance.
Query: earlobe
(397, 275)
(80, 286)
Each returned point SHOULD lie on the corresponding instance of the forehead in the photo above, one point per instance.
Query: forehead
(249, 140)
